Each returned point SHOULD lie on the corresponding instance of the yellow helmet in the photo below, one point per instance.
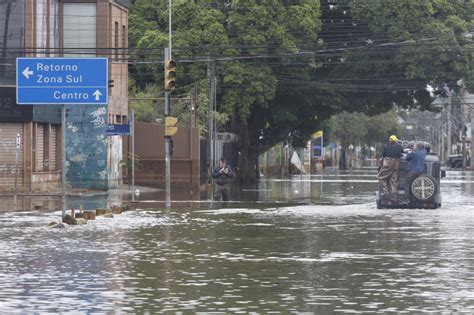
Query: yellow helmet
(393, 138)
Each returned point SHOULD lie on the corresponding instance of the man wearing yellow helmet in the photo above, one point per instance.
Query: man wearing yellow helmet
(392, 152)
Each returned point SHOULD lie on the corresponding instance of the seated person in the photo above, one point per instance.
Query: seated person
(416, 167)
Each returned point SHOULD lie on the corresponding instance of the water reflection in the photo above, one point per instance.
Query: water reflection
(249, 257)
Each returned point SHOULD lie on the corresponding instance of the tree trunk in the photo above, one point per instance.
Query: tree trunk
(343, 159)
(246, 153)
(248, 173)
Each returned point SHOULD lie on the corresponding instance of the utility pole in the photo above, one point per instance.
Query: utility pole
(464, 115)
(193, 107)
(210, 115)
(471, 113)
(132, 133)
(443, 151)
(449, 126)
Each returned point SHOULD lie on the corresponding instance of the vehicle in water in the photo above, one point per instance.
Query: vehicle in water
(455, 161)
(424, 190)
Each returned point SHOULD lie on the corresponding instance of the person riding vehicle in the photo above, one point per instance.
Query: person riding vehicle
(416, 167)
(392, 152)
(419, 178)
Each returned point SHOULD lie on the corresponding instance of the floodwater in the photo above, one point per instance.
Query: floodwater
(311, 244)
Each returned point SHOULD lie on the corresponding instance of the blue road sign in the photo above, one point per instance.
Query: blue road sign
(118, 130)
(318, 149)
(45, 81)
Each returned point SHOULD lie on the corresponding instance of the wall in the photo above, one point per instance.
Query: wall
(8, 132)
(11, 18)
(118, 59)
(45, 182)
(86, 147)
(114, 161)
(185, 162)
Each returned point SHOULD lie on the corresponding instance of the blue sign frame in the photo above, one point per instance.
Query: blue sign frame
(118, 130)
(46, 81)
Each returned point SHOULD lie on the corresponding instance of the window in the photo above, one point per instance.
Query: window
(116, 41)
(53, 27)
(124, 43)
(11, 24)
(79, 21)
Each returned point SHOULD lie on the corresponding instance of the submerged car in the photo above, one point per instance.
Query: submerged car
(455, 161)
(424, 190)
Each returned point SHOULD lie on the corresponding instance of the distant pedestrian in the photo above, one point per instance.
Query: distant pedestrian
(222, 175)
(392, 152)
(416, 167)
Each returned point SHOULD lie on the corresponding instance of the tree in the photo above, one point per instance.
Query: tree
(356, 128)
(150, 108)
(348, 128)
(380, 127)
(237, 30)
(284, 67)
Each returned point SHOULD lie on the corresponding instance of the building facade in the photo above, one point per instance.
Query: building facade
(73, 29)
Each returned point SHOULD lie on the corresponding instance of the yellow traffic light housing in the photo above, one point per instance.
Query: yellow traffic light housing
(170, 126)
(170, 75)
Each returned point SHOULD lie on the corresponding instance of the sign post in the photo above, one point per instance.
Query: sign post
(317, 150)
(63, 159)
(18, 144)
(132, 131)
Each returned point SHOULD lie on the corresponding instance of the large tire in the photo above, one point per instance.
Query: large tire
(423, 188)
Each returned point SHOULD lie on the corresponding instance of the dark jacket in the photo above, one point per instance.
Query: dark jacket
(416, 161)
(392, 150)
(220, 177)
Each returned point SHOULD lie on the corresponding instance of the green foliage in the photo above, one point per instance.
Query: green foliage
(349, 128)
(214, 29)
(149, 107)
(380, 127)
(285, 66)
(129, 162)
(358, 128)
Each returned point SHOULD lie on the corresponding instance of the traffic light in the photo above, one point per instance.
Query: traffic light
(170, 75)
(170, 126)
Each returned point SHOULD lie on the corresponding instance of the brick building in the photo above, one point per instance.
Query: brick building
(62, 28)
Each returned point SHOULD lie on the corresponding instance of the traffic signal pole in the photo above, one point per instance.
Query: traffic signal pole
(167, 140)
(167, 113)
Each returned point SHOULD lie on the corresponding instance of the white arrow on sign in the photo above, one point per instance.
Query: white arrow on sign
(27, 72)
(97, 95)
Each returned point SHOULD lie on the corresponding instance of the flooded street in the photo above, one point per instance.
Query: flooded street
(310, 244)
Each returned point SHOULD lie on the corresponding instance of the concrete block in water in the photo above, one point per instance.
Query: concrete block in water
(102, 211)
(89, 215)
(68, 219)
(56, 225)
(79, 215)
(117, 210)
(81, 221)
